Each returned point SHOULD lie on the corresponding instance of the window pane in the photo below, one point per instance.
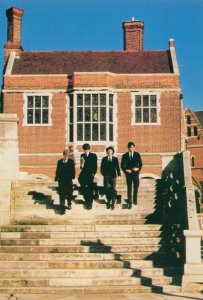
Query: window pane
(103, 114)
(30, 101)
(153, 100)
(87, 99)
(95, 114)
(37, 101)
(80, 114)
(95, 134)
(79, 100)
(153, 115)
(103, 99)
(111, 132)
(138, 115)
(188, 131)
(195, 131)
(87, 132)
(146, 115)
(71, 115)
(30, 116)
(95, 99)
(79, 132)
(87, 114)
(110, 114)
(45, 101)
(45, 116)
(71, 100)
(145, 100)
(71, 133)
(102, 132)
(137, 100)
(111, 100)
(37, 116)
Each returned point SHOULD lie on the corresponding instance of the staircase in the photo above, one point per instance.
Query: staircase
(96, 251)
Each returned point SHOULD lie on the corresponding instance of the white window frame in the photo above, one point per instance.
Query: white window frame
(148, 93)
(25, 108)
(106, 141)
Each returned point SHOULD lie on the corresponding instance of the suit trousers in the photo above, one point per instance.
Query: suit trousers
(65, 192)
(87, 190)
(110, 189)
(132, 181)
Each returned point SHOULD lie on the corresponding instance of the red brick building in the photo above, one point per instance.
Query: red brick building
(194, 141)
(66, 98)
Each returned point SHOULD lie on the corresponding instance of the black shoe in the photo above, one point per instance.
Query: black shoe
(108, 205)
(129, 205)
(135, 202)
(112, 207)
(69, 206)
(62, 210)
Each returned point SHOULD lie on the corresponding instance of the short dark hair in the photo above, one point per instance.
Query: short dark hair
(108, 148)
(86, 146)
(66, 151)
(131, 144)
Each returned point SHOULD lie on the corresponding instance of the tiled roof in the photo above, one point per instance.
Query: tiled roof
(67, 62)
(199, 116)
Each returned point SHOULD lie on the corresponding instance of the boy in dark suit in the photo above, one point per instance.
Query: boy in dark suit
(65, 173)
(131, 164)
(110, 170)
(88, 166)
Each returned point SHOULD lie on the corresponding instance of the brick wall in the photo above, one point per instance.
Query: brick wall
(195, 145)
(41, 146)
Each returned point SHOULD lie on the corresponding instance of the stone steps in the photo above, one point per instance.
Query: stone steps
(82, 235)
(81, 249)
(71, 241)
(53, 219)
(56, 257)
(79, 228)
(70, 282)
(95, 264)
(81, 252)
(66, 291)
(64, 273)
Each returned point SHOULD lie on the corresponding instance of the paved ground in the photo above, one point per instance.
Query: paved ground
(181, 296)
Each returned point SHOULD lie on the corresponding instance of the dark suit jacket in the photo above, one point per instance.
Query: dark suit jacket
(65, 172)
(127, 164)
(90, 166)
(87, 173)
(110, 168)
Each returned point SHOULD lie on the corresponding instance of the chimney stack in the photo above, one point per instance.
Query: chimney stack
(133, 35)
(14, 16)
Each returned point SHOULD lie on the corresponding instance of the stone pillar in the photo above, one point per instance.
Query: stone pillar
(193, 268)
(9, 162)
(193, 246)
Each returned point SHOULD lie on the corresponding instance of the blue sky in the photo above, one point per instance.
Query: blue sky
(97, 25)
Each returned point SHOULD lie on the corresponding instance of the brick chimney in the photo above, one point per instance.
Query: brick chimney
(14, 16)
(133, 35)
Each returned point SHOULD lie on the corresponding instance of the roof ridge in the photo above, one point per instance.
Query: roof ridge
(90, 51)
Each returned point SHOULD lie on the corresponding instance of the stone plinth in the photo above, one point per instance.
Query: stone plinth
(9, 162)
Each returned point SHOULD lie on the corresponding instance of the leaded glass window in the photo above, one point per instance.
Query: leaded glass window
(38, 109)
(146, 109)
(94, 116)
